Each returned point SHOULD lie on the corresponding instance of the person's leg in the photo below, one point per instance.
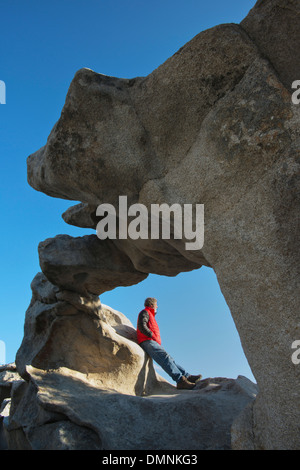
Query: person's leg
(163, 359)
(182, 370)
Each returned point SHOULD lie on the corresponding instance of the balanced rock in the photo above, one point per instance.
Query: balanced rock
(86, 265)
(80, 334)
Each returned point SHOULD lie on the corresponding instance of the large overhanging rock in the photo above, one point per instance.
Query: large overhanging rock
(86, 265)
(89, 265)
(115, 135)
(214, 125)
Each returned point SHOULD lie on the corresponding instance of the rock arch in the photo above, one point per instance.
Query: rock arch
(213, 125)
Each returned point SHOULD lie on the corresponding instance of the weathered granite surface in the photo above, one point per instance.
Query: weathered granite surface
(213, 125)
(63, 409)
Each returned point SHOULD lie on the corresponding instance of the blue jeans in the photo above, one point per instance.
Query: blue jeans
(163, 359)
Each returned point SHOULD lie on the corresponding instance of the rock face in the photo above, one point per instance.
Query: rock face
(213, 125)
(274, 27)
(65, 329)
(84, 265)
(68, 412)
(90, 386)
(9, 378)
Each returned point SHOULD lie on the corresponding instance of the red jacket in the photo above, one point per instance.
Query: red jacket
(147, 327)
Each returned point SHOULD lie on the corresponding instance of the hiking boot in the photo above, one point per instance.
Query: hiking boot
(194, 378)
(184, 384)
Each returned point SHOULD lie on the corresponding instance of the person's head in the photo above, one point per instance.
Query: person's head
(151, 302)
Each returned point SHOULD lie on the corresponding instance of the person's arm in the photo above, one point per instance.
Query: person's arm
(143, 323)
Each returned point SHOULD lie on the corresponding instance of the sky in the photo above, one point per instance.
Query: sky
(42, 45)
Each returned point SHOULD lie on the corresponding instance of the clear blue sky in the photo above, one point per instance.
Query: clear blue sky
(43, 44)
